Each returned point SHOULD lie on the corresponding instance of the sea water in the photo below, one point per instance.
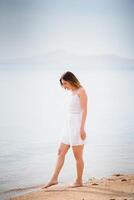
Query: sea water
(32, 111)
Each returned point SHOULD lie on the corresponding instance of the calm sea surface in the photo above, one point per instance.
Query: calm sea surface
(32, 112)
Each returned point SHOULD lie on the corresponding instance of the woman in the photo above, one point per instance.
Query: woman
(74, 134)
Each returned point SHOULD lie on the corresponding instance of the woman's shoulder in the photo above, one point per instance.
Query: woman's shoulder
(81, 91)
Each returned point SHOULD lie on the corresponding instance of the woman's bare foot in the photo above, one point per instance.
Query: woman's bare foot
(75, 184)
(50, 184)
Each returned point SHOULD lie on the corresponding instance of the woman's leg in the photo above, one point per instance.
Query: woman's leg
(63, 148)
(78, 154)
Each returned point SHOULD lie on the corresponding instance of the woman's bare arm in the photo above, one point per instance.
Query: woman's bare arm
(83, 102)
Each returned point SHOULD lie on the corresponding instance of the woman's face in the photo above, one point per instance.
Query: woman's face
(66, 85)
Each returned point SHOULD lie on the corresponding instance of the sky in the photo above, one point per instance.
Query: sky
(31, 28)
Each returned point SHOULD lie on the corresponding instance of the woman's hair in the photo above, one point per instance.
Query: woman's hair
(71, 78)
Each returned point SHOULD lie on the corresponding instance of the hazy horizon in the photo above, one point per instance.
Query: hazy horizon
(34, 28)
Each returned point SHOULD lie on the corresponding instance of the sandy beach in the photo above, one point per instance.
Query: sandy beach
(114, 187)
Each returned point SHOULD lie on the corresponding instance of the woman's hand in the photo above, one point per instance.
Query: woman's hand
(82, 134)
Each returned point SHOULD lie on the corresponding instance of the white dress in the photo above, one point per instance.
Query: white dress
(71, 129)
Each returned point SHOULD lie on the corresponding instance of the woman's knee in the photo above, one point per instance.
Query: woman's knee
(78, 158)
(78, 153)
(62, 151)
(61, 156)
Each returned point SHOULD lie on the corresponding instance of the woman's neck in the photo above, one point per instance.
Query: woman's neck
(74, 90)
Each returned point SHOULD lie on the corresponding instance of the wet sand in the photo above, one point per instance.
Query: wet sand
(115, 187)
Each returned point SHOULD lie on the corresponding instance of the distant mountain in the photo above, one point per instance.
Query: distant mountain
(61, 59)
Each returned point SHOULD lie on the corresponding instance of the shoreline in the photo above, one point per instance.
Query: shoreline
(114, 187)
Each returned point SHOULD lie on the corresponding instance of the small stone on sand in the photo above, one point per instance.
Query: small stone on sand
(95, 184)
(123, 179)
